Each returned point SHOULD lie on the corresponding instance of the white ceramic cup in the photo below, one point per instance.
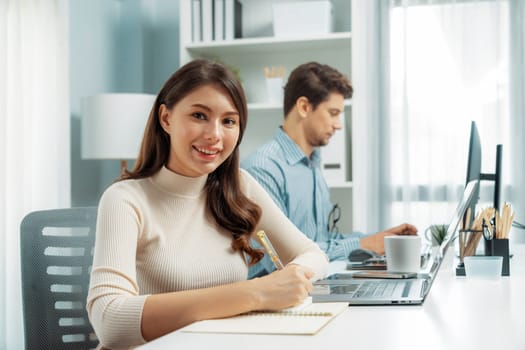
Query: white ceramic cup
(430, 237)
(403, 253)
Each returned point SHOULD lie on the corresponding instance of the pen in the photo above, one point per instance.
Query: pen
(269, 249)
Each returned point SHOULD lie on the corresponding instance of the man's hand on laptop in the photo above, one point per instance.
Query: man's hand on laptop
(376, 243)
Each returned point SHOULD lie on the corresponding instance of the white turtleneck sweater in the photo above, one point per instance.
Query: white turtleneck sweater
(155, 235)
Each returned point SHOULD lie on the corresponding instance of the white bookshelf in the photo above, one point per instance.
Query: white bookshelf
(258, 48)
(262, 45)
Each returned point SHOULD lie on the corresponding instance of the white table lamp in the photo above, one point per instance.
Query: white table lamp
(113, 125)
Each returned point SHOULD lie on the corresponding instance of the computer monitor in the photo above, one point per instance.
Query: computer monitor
(474, 164)
(474, 169)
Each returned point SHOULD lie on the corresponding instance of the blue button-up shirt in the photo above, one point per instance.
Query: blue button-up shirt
(296, 184)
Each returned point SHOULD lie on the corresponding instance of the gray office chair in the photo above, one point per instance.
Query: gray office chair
(56, 257)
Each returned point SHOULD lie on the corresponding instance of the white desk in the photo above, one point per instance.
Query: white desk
(459, 313)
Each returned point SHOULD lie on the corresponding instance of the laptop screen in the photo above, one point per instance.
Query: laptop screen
(451, 231)
(454, 223)
(470, 189)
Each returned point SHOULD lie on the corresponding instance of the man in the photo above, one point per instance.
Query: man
(288, 166)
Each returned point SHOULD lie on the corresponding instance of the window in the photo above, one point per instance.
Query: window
(449, 64)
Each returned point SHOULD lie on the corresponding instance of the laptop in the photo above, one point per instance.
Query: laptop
(398, 289)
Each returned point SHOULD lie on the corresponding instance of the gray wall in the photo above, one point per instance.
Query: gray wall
(115, 46)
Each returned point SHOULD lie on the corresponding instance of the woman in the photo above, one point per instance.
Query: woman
(172, 243)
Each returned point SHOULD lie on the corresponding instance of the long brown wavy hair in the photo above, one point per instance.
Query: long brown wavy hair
(228, 205)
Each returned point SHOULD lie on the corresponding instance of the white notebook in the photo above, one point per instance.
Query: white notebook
(307, 320)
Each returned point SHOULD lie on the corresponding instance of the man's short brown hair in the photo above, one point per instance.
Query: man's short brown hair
(314, 81)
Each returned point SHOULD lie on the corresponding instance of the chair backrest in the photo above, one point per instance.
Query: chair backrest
(56, 258)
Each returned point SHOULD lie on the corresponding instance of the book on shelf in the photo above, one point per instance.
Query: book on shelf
(207, 20)
(307, 321)
(218, 20)
(232, 19)
(196, 28)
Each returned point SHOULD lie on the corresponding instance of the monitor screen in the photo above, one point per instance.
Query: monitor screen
(474, 165)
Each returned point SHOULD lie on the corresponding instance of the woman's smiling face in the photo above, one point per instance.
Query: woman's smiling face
(203, 128)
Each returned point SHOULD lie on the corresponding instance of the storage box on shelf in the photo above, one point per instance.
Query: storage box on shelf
(300, 18)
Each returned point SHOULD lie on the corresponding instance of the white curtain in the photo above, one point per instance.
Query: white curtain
(433, 66)
(516, 158)
(369, 132)
(34, 135)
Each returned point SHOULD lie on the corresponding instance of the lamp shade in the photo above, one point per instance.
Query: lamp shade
(112, 125)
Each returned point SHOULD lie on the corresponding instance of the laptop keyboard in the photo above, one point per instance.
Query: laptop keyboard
(383, 289)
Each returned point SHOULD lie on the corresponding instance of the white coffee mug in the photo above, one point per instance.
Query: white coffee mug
(403, 253)
(430, 237)
(434, 234)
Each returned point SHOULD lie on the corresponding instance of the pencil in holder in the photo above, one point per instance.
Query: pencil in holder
(499, 247)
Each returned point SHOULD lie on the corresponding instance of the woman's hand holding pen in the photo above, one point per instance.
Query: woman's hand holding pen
(284, 288)
(287, 286)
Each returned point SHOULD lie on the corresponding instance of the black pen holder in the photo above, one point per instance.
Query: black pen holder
(499, 247)
(460, 269)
